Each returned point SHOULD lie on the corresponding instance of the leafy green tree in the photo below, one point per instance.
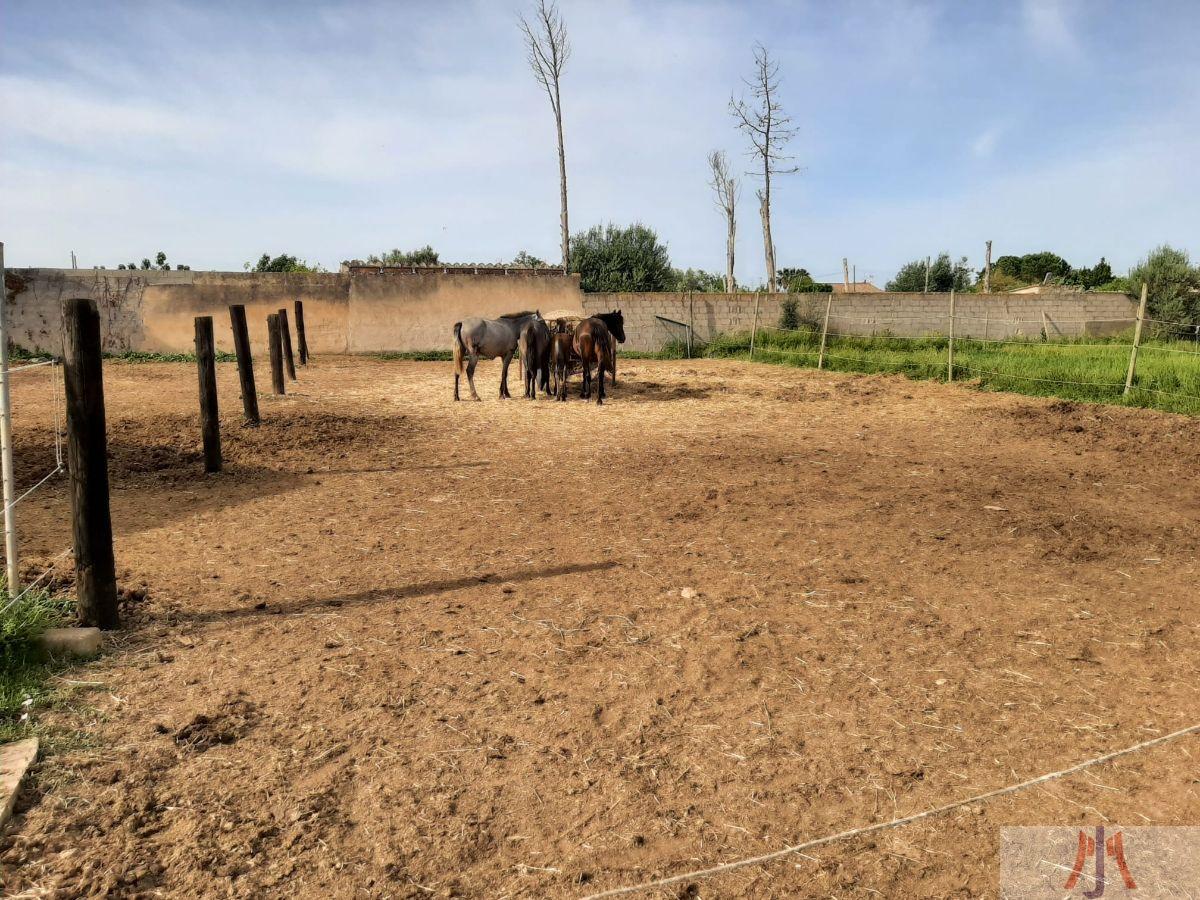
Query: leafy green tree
(281, 263)
(145, 263)
(697, 280)
(944, 275)
(1172, 285)
(1090, 279)
(611, 258)
(526, 260)
(798, 281)
(422, 256)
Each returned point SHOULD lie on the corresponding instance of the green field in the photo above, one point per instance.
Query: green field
(1168, 372)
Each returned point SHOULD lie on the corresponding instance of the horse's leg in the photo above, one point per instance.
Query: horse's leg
(504, 376)
(587, 379)
(456, 377)
(471, 363)
(600, 367)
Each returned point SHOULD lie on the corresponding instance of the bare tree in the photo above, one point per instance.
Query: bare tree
(726, 188)
(763, 121)
(548, 49)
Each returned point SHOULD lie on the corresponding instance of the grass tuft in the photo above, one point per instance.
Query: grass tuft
(25, 667)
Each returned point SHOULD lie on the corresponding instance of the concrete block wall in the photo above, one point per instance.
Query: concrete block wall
(994, 316)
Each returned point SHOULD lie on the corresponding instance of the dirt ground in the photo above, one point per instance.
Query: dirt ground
(405, 647)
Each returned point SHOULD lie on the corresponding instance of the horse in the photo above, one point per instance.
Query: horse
(616, 327)
(593, 343)
(560, 361)
(489, 338)
(535, 357)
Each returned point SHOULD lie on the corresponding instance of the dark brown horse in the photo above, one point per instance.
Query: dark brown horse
(616, 327)
(561, 353)
(535, 357)
(593, 343)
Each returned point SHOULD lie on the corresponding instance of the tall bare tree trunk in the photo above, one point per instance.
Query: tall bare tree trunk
(562, 183)
(730, 243)
(764, 210)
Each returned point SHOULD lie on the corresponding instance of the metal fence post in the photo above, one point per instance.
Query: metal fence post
(10, 527)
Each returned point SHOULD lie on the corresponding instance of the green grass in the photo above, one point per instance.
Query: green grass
(25, 668)
(418, 355)
(138, 356)
(1091, 369)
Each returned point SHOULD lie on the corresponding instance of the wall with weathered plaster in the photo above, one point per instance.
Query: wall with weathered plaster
(994, 316)
(358, 311)
(368, 310)
(399, 310)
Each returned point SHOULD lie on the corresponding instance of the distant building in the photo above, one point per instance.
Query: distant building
(1049, 289)
(855, 287)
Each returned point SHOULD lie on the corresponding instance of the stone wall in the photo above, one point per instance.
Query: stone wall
(652, 319)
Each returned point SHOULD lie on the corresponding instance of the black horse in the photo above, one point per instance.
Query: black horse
(615, 322)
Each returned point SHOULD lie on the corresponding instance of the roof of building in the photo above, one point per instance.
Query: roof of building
(855, 287)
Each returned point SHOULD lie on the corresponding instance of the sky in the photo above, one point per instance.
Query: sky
(217, 131)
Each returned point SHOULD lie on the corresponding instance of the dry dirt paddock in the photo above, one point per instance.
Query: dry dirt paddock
(406, 647)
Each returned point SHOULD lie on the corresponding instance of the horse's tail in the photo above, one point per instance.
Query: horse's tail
(459, 348)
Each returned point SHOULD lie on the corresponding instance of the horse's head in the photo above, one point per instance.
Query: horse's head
(616, 324)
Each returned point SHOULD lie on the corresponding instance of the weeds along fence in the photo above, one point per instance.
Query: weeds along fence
(1147, 362)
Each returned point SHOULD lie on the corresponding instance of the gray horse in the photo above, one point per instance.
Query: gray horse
(488, 338)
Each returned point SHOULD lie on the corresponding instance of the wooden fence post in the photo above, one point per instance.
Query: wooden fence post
(206, 370)
(87, 460)
(1045, 327)
(754, 330)
(824, 331)
(285, 334)
(276, 344)
(950, 351)
(241, 345)
(1137, 342)
(301, 340)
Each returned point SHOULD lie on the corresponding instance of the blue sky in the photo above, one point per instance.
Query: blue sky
(216, 131)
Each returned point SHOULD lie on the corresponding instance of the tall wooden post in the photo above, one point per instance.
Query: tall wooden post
(301, 339)
(987, 269)
(950, 352)
(1137, 342)
(846, 274)
(285, 334)
(87, 459)
(206, 370)
(825, 331)
(241, 346)
(276, 344)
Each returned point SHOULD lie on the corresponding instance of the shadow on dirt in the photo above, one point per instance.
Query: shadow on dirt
(383, 595)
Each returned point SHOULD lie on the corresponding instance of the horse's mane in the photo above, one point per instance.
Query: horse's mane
(518, 315)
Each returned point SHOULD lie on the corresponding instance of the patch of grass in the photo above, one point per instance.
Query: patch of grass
(138, 356)
(1089, 369)
(418, 355)
(26, 668)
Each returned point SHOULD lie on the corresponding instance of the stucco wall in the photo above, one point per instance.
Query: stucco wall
(976, 315)
(417, 311)
(355, 312)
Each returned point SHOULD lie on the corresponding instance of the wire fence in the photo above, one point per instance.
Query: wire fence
(1149, 362)
(15, 591)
